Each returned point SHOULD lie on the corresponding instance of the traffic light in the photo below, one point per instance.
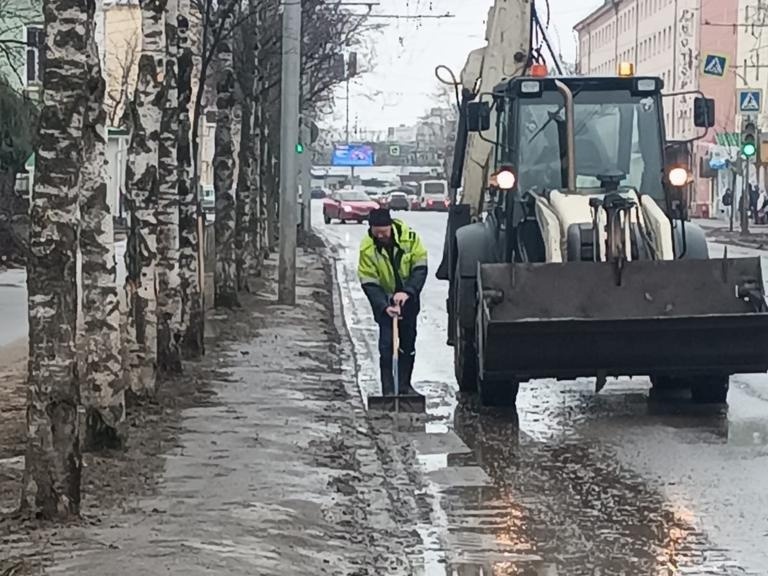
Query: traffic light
(748, 138)
(299, 148)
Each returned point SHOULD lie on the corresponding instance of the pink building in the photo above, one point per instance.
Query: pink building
(666, 38)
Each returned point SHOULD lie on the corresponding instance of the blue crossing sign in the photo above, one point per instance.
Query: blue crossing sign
(750, 100)
(715, 65)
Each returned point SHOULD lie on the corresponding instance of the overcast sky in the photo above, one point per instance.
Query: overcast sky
(406, 53)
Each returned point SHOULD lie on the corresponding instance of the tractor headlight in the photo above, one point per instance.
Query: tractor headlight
(678, 176)
(506, 179)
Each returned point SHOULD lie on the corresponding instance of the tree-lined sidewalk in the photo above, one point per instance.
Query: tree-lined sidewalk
(270, 462)
(196, 60)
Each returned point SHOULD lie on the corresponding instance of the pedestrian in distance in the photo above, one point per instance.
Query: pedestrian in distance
(392, 268)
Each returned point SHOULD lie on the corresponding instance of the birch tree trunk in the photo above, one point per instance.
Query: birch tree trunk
(141, 194)
(269, 49)
(273, 180)
(52, 473)
(168, 279)
(271, 121)
(102, 384)
(191, 291)
(255, 200)
(257, 220)
(243, 247)
(225, 277)
(246, 75)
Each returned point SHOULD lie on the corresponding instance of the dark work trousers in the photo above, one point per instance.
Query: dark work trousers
(407, 352)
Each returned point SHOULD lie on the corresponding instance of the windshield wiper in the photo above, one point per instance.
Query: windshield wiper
(552, 116)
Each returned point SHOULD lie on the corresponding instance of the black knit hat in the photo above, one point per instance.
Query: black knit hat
(380, 217)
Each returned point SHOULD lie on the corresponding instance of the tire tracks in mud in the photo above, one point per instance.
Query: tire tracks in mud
(570, 503)
(392, 491)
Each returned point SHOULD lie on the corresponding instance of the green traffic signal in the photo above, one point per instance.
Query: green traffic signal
(300, 148)
(748, 138)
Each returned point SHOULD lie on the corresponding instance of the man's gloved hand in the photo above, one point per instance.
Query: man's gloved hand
(400, 298)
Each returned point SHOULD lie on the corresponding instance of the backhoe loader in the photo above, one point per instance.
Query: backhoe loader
(570, 252)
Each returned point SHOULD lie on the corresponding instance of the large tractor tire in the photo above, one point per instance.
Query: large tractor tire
(662, 384)
(464, 352)
(498, 394)
(710, 389)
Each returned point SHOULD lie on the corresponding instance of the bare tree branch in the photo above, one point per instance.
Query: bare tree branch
(126, 60)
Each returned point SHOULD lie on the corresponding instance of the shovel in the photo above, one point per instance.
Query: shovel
(412, 403)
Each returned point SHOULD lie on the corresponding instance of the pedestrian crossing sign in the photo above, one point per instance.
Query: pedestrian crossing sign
(750, 100)
(715, 65)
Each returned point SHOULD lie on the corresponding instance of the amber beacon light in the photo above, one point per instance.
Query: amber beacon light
(626, 69)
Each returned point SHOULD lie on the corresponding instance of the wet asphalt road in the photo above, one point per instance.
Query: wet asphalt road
(13, 299)
(572, 482)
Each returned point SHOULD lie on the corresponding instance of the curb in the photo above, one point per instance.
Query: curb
(350, 362)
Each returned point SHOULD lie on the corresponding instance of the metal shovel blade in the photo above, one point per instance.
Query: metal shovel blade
(411, 403)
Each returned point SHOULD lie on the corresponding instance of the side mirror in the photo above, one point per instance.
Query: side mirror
(703, 112)
(478, 116)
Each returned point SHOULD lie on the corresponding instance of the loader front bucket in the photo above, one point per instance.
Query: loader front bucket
(664, 317)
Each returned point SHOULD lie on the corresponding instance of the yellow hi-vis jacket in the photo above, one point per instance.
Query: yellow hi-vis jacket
(382, 273)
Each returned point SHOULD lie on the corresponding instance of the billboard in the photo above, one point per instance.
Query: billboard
(352, 155)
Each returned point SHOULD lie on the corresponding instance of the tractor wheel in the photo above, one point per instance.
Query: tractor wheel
(710, 389)
(499, 394)
(464, 351)
(465, 360)
(662, 384)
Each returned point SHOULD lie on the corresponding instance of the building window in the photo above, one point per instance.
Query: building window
(35, 41)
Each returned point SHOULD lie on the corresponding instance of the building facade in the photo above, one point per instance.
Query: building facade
(21, 32)
(691, 45)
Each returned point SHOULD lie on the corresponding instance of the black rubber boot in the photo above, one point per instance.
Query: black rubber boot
(406, 370)
(387, 381)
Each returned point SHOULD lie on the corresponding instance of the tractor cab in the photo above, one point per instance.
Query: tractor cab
(617, 143)
(618, 135)
(586, 166)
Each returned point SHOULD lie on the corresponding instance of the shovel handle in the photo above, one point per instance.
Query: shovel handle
(395, 336)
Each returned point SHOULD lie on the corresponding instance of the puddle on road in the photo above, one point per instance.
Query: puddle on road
(544, 492)
(525, 494)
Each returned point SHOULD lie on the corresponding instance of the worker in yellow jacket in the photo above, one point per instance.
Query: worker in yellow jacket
(392, 270)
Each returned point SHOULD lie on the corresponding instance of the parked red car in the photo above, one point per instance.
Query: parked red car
(346, 205)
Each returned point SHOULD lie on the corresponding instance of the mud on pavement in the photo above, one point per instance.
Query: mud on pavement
(274, 470)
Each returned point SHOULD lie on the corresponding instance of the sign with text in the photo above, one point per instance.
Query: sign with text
(353, 155)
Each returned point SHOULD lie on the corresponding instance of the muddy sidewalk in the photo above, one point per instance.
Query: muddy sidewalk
(277, 472)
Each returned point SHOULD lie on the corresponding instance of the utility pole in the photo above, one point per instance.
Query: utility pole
(745, 200)
(306, 176)
(733, 205)
(351, 70)
(289, 132)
